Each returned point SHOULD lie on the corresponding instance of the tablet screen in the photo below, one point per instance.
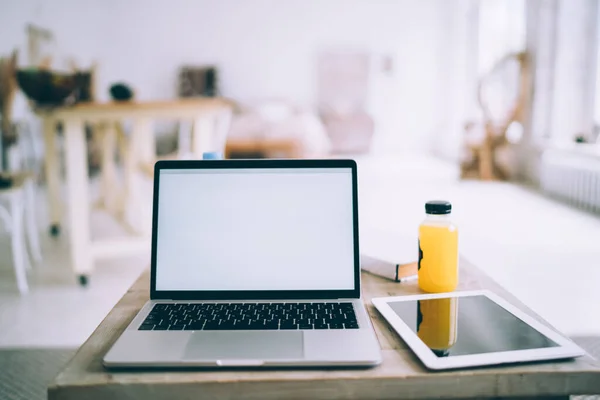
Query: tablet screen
(458, 326)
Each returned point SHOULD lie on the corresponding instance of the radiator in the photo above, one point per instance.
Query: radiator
(572, 177)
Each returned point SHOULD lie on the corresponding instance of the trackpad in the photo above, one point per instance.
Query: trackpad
(245, 345)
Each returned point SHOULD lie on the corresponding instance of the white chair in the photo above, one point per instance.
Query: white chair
(17, 203)
(18, 216)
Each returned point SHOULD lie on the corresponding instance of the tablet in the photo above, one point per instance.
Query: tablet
(472, 328)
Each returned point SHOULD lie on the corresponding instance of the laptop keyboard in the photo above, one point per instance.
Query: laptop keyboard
(249, 316)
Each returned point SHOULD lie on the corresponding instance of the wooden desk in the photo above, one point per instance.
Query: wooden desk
(400, 376)
(141, 149)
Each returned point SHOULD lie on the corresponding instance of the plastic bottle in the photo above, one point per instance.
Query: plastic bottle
(438, 249)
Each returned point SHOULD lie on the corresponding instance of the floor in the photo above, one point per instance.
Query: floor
(57, 312)
(544, 252)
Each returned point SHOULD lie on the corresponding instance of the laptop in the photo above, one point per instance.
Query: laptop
(255, 263)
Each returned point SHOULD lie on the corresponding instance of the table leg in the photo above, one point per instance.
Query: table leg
(146, 140)
(202, 134)
(109, 182)
(78, 198)
(184, 131)
(123, 144)
(52, 170)
(147, 149)
(140, 149)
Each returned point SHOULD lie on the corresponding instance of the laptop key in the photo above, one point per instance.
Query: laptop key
(350, 325)
(177, 327)
(161, 327)
(227, 325)
(288, 325)
(211, 326)
(272, 326)
(194, 327)
(146, 327)
(256, 326)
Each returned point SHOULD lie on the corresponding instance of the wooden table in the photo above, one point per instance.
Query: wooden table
(265, 147)
(202, 111)
(400, 376)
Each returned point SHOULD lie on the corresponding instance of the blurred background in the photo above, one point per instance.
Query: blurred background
(493, 105)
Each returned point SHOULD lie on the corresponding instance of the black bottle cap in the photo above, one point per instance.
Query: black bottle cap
(438, 207)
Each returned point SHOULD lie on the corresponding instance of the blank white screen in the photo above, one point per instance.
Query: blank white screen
(255, 229)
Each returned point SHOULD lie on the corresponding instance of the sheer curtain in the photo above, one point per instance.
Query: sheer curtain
(501, 31)
(595, 136)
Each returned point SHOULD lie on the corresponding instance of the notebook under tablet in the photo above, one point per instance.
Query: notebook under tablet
(254, 264)
(472, 328)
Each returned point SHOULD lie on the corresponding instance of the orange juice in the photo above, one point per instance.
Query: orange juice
(438, 250)
(437, 324)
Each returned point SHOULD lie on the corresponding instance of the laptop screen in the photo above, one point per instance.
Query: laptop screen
(255, 229)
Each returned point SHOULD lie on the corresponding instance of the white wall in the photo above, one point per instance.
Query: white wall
(263, 48)
(456, 81)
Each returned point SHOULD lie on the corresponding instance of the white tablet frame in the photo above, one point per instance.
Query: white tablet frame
(565, 349)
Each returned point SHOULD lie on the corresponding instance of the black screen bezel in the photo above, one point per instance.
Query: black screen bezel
(253, 294)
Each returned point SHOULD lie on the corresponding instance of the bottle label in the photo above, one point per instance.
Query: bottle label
(420, 255)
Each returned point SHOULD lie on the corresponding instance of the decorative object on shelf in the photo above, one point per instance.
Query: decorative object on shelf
(198, 81)
(121, 92)
(85, 84)
(45, 85)
(503, 96)
(47, 88)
